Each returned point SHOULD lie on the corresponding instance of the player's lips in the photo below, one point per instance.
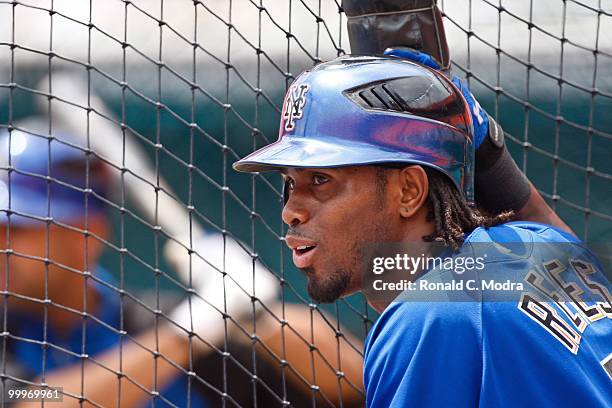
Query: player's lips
(303, 250)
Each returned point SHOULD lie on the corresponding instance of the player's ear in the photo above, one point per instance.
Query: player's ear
(414, 190)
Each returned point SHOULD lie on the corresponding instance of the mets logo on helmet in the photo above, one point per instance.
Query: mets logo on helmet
(293, 106)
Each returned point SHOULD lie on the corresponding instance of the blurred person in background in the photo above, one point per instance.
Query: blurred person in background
(64, 313)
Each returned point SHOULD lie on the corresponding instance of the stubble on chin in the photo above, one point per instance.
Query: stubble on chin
(344, 277)
(330, 287)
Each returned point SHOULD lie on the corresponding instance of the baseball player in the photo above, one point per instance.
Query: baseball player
(64, 325)
(382, 149)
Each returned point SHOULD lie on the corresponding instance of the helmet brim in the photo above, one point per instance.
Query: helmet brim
(30, 207)
(325, 152)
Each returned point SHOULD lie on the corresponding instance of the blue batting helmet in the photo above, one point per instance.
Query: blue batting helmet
(49, 177)
(358, 110)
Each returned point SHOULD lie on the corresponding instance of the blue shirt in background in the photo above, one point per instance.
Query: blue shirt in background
(98, 338)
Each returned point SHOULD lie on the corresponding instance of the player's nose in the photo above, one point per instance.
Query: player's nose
(295, 211)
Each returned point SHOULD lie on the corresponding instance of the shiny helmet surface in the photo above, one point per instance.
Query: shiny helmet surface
(360, 110)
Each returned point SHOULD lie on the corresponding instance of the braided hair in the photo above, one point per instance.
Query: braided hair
(449, 211)
(451, 214)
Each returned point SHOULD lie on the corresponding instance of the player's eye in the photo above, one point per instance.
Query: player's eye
(319, 179)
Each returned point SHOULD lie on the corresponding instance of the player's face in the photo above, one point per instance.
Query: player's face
(331, 213)
(65, 248)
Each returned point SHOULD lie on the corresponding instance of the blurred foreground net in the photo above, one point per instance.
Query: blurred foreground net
(166, 95)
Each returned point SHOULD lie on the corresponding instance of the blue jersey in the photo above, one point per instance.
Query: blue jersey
(551, 346)
(99, 338)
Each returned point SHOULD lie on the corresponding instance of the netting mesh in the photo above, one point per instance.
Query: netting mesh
(164, 96)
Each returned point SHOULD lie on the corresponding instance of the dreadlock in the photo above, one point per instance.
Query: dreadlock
(451, 214)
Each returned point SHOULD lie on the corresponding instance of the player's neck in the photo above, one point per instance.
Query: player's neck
(408, 239)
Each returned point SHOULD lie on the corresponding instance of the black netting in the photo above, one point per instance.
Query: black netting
(156, 100)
